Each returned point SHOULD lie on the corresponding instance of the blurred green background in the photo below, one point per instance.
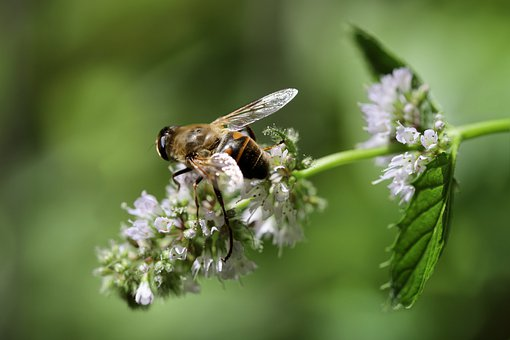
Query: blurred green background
(86, 85)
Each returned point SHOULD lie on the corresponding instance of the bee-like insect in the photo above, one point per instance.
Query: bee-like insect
(197, 146)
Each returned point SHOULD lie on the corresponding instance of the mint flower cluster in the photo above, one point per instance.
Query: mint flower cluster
(279, 206)
(164, 250)
(399, 112)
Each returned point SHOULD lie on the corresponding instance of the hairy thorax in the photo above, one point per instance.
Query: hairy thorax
(197, 140)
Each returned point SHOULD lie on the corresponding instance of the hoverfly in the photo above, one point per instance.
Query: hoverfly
(198, 145)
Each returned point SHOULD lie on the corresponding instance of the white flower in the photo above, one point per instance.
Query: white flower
(411, 113)
(395, 111)
(189, 233)
(402, 78)
(144, 294)
(421, 164)
(281, 192)
(402, 189)
(266, 227)
(378, 119)
(279, 206)
(439, 123)
(229, 175)
(216, 227)
(381, 113)
(407, 135)
(164, 224)
(145, 206)
(374, 141)
(178, 253)
(177, 243)
(237, 265)
(400, 165)
(289, 234)
(383, 94)
(216, 217)
(143, 268)
(429, 139)
(387, 91)
(402, 170)
(139, 231)
(206, 265)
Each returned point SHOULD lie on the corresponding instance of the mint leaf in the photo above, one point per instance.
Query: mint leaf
(382, 62)
(422, 232)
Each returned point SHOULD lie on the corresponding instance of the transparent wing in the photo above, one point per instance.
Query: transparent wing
(256, 110)
(221, 170)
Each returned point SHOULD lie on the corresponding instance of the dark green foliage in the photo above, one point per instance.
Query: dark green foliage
(422, 232)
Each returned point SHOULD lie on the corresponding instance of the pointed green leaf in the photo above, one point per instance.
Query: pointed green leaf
(382, 62)
(422, 232)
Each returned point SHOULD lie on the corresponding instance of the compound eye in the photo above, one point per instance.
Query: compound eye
(161, 143)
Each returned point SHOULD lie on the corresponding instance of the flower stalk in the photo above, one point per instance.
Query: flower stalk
(459, 134)
(475, 130)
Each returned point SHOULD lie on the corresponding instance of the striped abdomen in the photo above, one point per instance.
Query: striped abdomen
(250, 158)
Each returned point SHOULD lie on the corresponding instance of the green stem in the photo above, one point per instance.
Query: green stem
(483, 128)
(460, 134)
(344, 157)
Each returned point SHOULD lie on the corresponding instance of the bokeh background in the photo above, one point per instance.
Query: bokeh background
(86, 85)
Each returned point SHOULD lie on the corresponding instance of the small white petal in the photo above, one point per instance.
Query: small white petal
(164, 224)
(383, 93)
(439, 125)
(378, 119)
(402, 79)
(144, 268)
(420, 164)
(178, 253)
(145, 206)
(144, 294)
(281, 192)
(429, 139)
(139, 231)
(189, 233)
(238, 265)
(230, 176)
(406, 135)
(407, 193)
(376, 140)
(402, 170)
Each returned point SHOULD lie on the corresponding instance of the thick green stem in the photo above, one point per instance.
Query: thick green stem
(459, 134)
(344, 157)
(483, 128)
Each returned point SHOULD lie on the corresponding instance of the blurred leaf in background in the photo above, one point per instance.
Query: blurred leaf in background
(85, 86)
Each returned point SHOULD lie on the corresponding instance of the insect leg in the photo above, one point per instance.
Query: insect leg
(195, 185)
(272, 146)
(203, 170)
(178, 173)
(250, 132)
(225, 217)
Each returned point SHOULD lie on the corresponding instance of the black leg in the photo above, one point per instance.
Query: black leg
(230, 234)
(195, 185)
(250, 132)
(178, 173)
